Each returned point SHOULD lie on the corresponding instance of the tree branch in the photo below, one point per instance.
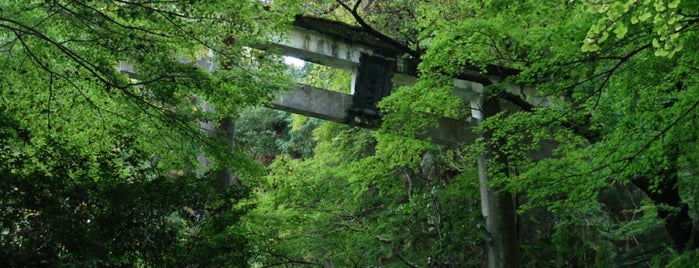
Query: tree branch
(370, 30)
(101, 74)
(287, 260)
(397, 252)
(356, 5)
(406, 261)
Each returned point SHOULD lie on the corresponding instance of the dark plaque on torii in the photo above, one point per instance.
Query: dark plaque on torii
(373, 83)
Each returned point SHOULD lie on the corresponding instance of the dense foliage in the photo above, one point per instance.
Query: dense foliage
(119, 119)
(615, 92)
(100, 167)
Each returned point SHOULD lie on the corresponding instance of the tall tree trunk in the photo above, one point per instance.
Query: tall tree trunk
(502, 241)
(666, 194)
(677, 221)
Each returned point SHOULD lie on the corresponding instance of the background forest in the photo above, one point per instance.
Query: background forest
(134, 133)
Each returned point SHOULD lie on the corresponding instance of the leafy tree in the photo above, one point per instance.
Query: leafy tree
(99, 165)
(615, 103)
(65, 206)
(349, 205)
(111, 156)
(614, 92)
(266, 133)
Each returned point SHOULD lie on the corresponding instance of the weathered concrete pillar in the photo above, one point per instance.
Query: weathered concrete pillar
(207, 128)
(353, 83)
(225, 176)
(497, 205)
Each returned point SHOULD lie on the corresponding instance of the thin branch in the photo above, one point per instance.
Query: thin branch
(113, 21)
(662, 132)
(406, 261)
(370, 30)
(629, 159)
(517, 100)
(33, 58)
(397, 253)
(151, 8)
(356, 5)
(609, 73)
(322, 12)
(48, 113)
(96, 72)
(91, 68)
(288, 260)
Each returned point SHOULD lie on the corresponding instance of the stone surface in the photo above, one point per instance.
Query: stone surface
(333, 106)
(314, 102)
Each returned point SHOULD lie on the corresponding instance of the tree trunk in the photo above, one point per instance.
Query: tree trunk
(666, 194)
(677, 223)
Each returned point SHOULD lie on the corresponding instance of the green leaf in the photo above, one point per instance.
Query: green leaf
(603, 37)
(673, 4)
(645, 16)
(659, 6)
(620, 30)
(634, 19)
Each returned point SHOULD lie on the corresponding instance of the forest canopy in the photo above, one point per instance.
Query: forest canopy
(133, 133)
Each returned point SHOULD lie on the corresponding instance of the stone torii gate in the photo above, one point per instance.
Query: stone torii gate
(375, 66)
